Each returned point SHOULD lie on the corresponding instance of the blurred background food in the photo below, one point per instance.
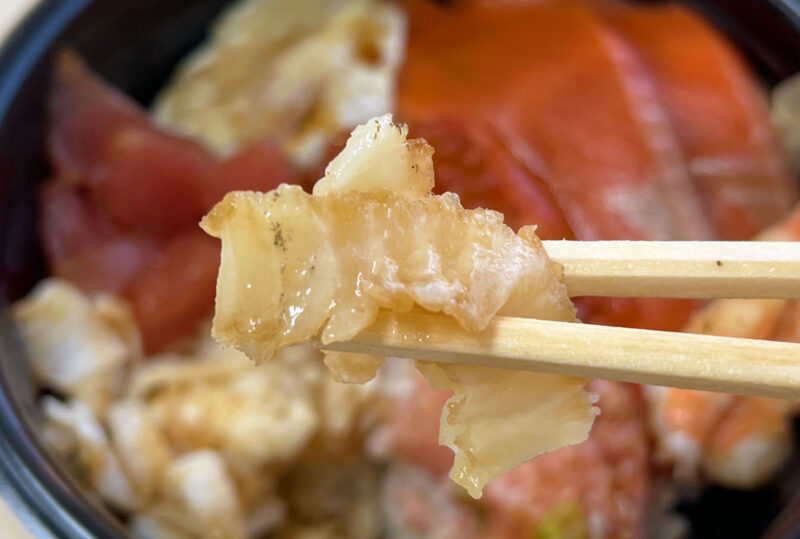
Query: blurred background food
(592, 119)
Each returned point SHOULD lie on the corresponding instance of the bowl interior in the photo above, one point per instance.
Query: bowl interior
(135, 45)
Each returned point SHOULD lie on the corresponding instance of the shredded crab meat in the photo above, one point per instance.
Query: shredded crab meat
(297, 267)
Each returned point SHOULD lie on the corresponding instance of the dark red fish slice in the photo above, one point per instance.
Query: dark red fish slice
(262, 166)
(70, 222)
(121, 215)
(175, 291)
(143, 178)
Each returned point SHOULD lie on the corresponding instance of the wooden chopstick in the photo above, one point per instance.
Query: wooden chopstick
(679, 269)
(724, 364)
(624, 269)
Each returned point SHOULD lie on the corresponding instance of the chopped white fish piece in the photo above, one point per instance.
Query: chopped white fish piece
(264, 414)
(93, 452)
(139, 445)
(199, 484)
(297, 267)
(300, 71)
(145, 526)
(258, 419)
(260, 415)
(77, 345)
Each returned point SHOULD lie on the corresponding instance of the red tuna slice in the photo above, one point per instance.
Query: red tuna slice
(84, 111)
(173, 294)
(719, 113)
(109, 266)
(144, 179)
(151, 183)
(82, 245)
(261, 166)
(164, 188)
(69, 221)
(121, 215)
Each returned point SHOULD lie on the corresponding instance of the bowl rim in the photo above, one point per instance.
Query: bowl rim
(43, 486)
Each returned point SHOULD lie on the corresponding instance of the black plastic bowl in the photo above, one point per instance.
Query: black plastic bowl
(135, 44)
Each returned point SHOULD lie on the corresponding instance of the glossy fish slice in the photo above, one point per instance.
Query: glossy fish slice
(719, 114)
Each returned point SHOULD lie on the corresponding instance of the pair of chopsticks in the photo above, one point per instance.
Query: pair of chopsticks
(624, 269)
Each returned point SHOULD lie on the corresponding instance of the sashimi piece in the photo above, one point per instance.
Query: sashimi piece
(750, 442)
(83, 246)
(172, 294)
(719, 114)
(108, 266)
(169, 286)
(566, 108)
(258, 167)
(652, 120)
(736, 441)
(149, 183)
(605, 141)
(297, 267)
(557, 87)
(473, 162)
(143, 178)
(121, 213)
(83, 111)
(70, 222)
